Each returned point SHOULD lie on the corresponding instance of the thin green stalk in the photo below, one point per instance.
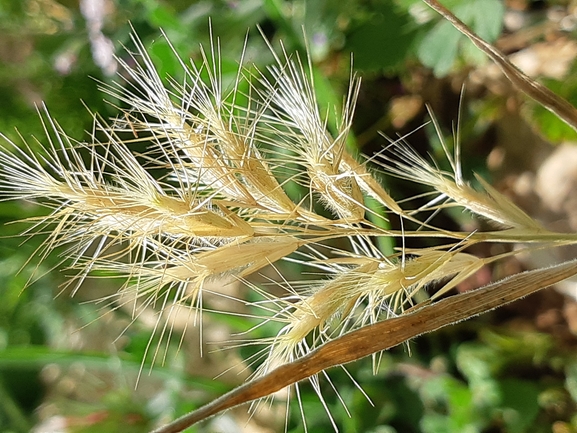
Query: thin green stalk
(17, 419)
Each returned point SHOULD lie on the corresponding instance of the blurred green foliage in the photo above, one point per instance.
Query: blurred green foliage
(57, 352)
(441, 45)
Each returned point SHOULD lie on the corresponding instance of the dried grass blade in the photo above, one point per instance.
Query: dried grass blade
(382, 336)
(554, 103)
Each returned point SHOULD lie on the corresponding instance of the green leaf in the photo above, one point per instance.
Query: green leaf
(571, 380)
(383, 41)
(549, 125)
(439, 48)
(486, 18)
(520, 403)
(164, 59)
(35, 357)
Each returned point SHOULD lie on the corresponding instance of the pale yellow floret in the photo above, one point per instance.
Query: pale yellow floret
(361, 296)
(209, 199)
(303, 133)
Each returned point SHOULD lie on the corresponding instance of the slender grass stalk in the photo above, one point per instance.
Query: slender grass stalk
(382, 336)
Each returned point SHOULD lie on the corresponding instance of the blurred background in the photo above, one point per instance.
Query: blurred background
(71, 365)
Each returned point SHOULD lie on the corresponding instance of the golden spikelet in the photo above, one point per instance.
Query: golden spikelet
(220, 207)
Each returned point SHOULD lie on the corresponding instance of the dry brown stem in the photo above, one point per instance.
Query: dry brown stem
(554, 103)
(382, 336)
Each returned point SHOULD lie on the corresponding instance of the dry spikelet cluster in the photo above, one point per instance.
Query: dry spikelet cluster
(209, 199)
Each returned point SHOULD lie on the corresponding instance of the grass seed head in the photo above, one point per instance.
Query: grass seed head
(208, 199)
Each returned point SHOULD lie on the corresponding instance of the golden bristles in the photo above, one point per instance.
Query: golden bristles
(209, 198)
